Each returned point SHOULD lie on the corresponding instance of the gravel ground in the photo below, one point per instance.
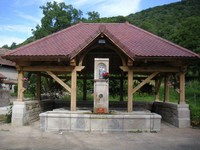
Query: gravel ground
(31, 138)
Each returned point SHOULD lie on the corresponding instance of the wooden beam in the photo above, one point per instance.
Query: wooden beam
(144, 82)
(151, 69)
(48, 68)
(156, 69)
(124, 68)
(59, 81)
(79, 68)
(73, 62)
(130, 93)
(130, 62)
(23, 63)
(73, 89)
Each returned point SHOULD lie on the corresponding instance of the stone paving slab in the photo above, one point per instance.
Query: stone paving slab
(31, 138)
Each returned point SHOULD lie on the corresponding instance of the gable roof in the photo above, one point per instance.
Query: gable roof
(134, 41)
(4, 61)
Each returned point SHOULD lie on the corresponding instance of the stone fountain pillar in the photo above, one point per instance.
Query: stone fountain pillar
(101, 85)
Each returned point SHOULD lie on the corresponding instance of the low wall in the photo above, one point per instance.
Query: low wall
(4, 98)
(27, 112)
(175, 114)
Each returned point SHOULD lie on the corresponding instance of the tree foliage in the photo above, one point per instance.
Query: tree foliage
(177, 22)
(57, 16)
(93, 16)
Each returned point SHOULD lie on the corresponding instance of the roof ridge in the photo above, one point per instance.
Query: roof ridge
(164, 40)
(42, 39)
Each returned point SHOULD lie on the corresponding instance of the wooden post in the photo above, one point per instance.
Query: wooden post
(157, 89)
(84, 88)
(38, 88)
(130, 88)
(47, 86)
(166, 89)
(182, 88)
(121, 87)
(73, 89)
(20, 86)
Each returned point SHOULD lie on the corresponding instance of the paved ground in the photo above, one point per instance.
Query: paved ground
(31, 138)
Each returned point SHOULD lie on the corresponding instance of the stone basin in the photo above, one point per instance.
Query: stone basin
(85, 120)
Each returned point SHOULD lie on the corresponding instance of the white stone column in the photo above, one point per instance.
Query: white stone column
(101, 85)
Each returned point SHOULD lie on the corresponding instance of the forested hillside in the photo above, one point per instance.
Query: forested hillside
(177, 22)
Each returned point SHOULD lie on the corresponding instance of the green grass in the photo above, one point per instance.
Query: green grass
(149, 98)
(193, 99)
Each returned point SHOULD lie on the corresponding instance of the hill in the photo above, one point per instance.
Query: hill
(178, 22)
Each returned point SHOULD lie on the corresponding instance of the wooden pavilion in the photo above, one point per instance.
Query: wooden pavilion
(131, 51)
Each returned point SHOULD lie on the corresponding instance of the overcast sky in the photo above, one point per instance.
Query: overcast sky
(18, 17)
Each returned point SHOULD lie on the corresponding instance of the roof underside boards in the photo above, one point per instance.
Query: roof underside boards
(131, 39)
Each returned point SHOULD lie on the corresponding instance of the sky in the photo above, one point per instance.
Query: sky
(18, 17)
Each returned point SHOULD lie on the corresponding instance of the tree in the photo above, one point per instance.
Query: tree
(13, 45)
(187, 34)
(5, 46)
(57, 16)
(93, 16)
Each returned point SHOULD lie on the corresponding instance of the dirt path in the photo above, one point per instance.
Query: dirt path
(31, 138)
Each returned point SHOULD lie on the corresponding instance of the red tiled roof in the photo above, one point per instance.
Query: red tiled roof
(132, 40)
(2, 76)
(9, 82)
(4, 61)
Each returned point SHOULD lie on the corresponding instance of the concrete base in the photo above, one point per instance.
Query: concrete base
(175, 114)
(86, 121)
(18, 114)
(26, 112)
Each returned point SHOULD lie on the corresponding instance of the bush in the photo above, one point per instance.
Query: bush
(9, 115)
(195, 115)
(192, 95)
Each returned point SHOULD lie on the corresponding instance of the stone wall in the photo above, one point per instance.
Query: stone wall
(4, 98)
(175, 114)
(112, 104)
(28, 111)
